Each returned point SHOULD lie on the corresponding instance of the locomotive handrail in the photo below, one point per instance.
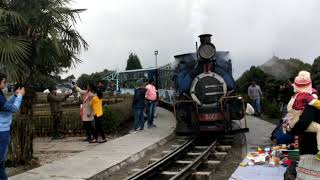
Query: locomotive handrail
(243, 107)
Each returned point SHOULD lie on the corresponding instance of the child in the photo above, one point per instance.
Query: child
(96, 106)
(303, 97)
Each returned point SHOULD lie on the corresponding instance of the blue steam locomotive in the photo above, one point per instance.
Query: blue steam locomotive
(206, 100)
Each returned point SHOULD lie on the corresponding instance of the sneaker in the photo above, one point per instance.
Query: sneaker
(102, 141)
(93, 141)
(59, 136)
(140, 129)
(317, 156)
(133, 131)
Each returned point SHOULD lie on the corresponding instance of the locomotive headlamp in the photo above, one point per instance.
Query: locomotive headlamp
(207, 51)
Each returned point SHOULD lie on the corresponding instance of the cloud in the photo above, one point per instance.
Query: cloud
(251, 30)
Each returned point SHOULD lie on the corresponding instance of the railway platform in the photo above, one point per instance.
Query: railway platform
(258, 136)
(108, 157)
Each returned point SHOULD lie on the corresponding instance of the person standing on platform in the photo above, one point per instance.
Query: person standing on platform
(86, 112)
(138, 106)
(56, 111)
(255, 94)
(7, 107)
(97, 110)
(151, 98)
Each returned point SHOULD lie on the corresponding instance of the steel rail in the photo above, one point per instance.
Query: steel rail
(191, 168)
(158, 166)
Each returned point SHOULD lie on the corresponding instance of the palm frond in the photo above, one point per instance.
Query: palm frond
(14, 50)
(11, 17)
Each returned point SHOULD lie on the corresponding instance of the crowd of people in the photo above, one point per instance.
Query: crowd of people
(91, 112)
(145, 97)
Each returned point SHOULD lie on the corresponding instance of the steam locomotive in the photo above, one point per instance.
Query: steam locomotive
(206, 100)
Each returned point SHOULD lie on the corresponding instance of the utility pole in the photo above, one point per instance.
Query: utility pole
(156, 52)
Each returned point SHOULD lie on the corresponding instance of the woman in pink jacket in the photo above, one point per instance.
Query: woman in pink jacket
(86, 112)
(151, 98)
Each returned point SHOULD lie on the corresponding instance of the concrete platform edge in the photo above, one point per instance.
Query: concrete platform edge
(132, 159)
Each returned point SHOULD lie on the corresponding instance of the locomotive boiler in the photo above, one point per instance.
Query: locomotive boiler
(207, 100)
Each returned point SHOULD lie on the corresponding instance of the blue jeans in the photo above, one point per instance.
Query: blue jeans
(138, 118)
(4, 145)
(151, 111)
(256, 105)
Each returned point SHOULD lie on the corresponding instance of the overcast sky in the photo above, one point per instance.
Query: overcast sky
(252, 30)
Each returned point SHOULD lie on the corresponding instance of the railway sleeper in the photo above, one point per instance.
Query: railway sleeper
(202, 175)
(199, 175)
(224, 148)
(227, 140)
(210, 164)
(201, 147)
(219, 155)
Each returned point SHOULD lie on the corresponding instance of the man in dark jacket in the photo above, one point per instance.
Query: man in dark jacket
(56, 111)
(138, 106)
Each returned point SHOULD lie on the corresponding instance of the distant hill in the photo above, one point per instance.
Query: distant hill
(283, 69)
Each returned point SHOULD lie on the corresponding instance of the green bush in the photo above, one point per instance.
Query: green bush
(117, 115)
(271, 108)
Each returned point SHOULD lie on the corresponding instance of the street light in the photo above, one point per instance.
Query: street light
(156, 52)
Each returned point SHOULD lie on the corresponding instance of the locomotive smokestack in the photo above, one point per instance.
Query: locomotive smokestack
(205, 38)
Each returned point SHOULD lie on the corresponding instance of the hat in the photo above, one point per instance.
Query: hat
(302, 83)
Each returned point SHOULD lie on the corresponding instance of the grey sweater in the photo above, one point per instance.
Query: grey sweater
(254, 92)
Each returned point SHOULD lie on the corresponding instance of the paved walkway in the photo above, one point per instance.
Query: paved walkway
(98, 161)
(258, 136)
(259, 133)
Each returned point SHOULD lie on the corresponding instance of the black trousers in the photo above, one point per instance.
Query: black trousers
(57, 127)
(99, 127)
(308, 141)
(89, 129)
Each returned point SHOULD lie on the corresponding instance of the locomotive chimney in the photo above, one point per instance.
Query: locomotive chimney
(205, 38)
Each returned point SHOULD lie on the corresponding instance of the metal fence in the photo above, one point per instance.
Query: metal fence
(42, 125)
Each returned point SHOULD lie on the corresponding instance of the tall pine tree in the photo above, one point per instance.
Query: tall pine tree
(133, 62)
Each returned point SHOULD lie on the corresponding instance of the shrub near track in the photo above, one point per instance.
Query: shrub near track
(117, 115)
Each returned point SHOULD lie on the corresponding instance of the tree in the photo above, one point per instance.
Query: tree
(38, 38)
(315, 71)
(94, 78)
(84, 80)
(254, 73)
(133, 62)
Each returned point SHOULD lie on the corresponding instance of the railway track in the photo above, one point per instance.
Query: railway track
(192, 158)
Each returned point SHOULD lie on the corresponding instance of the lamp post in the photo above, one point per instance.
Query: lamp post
(156, 52)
